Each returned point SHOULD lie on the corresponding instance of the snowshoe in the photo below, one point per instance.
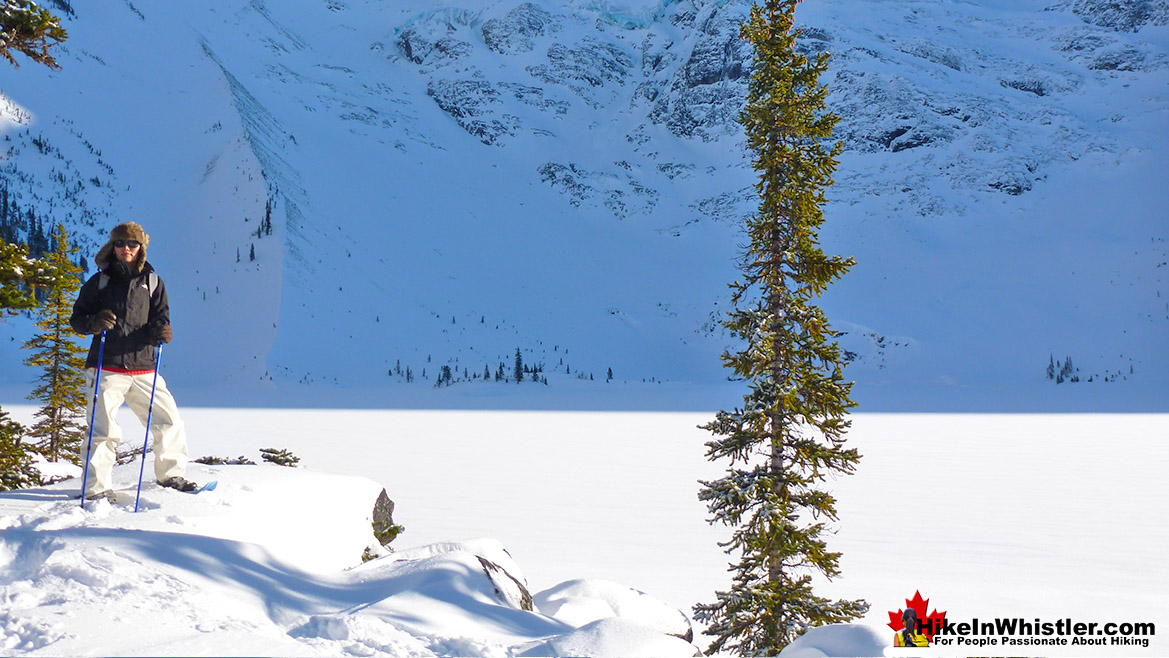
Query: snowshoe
(181, 484)
(108, 494)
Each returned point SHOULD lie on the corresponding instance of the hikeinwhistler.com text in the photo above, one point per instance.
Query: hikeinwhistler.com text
(1021, 632)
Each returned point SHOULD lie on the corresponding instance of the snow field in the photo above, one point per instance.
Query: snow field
(987, 516)
(268, 563)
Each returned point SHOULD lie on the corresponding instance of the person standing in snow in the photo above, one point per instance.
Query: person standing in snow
(127, 300)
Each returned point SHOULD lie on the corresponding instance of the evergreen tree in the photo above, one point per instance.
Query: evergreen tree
(16, 464)
(28, 29)
(61, 360)
(7, 226)
(519, 366)
(788, 436)
(266, 224)
(16, 272)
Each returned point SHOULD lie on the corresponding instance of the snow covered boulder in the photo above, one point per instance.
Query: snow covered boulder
(580, 602)
(495, 562)
(836, 640)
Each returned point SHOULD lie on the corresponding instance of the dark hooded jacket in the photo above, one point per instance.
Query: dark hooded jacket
(141, 314)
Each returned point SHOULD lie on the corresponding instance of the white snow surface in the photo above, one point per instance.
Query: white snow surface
(580, 602)
(269, 563)
(1013, 516)
(836, 640)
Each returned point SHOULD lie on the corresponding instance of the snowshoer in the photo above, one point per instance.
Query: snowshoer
(127, 300)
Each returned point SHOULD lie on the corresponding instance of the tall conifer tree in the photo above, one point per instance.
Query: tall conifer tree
(62, 361)
(789, 435)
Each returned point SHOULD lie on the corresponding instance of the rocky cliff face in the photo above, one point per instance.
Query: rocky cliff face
(492, 158)
(943, 91)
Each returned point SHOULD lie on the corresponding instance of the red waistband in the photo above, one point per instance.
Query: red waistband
(122, 371)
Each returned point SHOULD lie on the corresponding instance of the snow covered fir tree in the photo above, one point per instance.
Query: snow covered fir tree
(788, 437)
(28, 29)
(16, 269)
(56, 352)
(16, 463)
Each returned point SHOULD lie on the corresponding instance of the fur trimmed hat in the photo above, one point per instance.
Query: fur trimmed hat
(125, 231)
(130, 231)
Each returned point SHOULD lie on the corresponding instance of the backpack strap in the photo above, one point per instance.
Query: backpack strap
(103, 280)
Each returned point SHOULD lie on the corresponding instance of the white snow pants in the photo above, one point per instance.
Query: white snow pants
(170, 438)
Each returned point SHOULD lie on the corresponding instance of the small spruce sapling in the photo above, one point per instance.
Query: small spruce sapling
(280, 457)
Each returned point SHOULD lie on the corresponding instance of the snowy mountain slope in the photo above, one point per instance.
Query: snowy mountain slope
(270, 562)
(452, 182)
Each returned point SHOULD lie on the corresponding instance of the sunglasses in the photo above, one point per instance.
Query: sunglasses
(129, 244)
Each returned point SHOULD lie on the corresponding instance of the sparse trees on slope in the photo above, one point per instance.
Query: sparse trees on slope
(62, 361)
(26, 28)
(789, 435)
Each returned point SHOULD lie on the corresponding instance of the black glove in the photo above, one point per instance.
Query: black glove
(163, 334)
(103, 320)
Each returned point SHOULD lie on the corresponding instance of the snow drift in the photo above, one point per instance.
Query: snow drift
(271, 563)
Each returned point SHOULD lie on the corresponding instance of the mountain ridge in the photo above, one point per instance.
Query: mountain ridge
(454, 183)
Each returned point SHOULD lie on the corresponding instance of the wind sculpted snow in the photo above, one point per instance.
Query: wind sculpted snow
(268, 563)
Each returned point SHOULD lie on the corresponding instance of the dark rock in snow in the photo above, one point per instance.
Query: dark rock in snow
(511, 590)
(514, 33)
(469, 102)
(421, 50)
(384, 528)
(1120, 15)
(585, 69)
(535, 97)
(703, 96)
(1124, 59)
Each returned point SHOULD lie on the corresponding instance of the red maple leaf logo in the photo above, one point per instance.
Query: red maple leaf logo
(930, 623)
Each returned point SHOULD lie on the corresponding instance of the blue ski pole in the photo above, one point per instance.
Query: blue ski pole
(101, 352)
(149, 418)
